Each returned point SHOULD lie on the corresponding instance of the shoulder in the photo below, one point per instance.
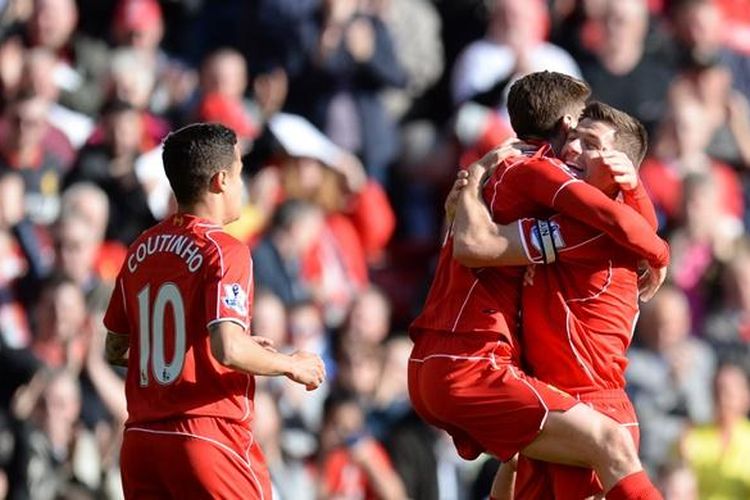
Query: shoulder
(225, 245)
(546, 164)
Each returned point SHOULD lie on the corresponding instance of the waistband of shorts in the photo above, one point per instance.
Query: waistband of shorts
(599, 394)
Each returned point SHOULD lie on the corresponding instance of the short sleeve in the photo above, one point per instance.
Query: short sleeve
(116, 316)
(229, 282)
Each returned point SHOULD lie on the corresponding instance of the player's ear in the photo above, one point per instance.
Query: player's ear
(568, 123)
(218, 182)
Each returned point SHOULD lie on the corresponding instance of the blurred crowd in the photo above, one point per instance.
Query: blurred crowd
(353, 116)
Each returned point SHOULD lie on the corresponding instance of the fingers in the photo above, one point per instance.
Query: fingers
(317, 375)
(652, 281)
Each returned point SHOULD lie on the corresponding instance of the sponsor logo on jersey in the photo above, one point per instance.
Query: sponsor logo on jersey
(235, 298)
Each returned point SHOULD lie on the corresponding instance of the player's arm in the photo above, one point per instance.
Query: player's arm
(477, 240)
(233, 348)
(115, 320)
(116, 347)
(552, 187)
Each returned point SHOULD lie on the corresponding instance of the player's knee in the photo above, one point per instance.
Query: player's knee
(618, 445)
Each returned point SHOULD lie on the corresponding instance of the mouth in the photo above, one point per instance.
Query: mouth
(577, 171)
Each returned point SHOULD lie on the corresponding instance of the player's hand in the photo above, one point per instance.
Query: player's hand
(307, 369)
(649, 281)
(451, 201)
(620, 168)
(264, 342)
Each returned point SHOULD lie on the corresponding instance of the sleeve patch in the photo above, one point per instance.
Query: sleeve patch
(235, 298)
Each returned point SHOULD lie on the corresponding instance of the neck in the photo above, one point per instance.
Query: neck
(204, 210)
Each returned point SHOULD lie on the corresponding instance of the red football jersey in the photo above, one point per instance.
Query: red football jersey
(579, 314)
(488, 299)
(179, 278)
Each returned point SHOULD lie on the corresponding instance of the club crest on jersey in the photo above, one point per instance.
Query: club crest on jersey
(235, 298)
(553, 231)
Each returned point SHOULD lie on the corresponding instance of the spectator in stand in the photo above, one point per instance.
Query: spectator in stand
(76, 248)
(280, 254)
(350, 62)
(48, 440)
(715, 76)
(360, 367)
(76, 126)
(131, 80)
(11, 61)
(669, 376)
(678, 482)
(680, 149)
(269, 317)
(623, 72)
(369, 319)
(222, 94)
(83, 61)
(700, 32)
(59, 321)
(359, 220)
(292, 478)
(306, 330)
(728, 324)
(700, 246)
(111, 166)
(720, 452)
(87, 201)
(23, 149)
(139, 25)
(390, 402)
(14, 231)
(513, 46)
(353, 464)
(415, 27)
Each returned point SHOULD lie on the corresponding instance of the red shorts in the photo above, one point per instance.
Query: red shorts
(193, 458)
(466, 384)
(543, 480)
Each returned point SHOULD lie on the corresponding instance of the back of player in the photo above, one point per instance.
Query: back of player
(179, 319)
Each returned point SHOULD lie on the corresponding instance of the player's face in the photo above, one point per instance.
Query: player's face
(584, 144)
(235, 188)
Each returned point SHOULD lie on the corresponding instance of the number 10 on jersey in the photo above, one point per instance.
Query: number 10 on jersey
(151, 334)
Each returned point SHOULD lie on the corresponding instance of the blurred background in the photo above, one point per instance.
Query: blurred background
(354, 116)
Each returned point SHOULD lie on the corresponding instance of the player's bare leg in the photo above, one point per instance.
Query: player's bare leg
(505, 480)
(584, 438)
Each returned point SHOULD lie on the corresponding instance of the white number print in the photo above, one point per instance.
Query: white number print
(151, 335)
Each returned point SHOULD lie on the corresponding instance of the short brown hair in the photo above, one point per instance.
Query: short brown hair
(538, 101)
(193, 154)
(630, 135)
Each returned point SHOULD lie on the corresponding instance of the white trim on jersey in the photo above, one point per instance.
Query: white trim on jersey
(463, 306)
(578, 357)
(600, 292)
(539, 397)
(221, 264)
(124, 302)
(559, 190)
(231, 320)
(453, 357)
